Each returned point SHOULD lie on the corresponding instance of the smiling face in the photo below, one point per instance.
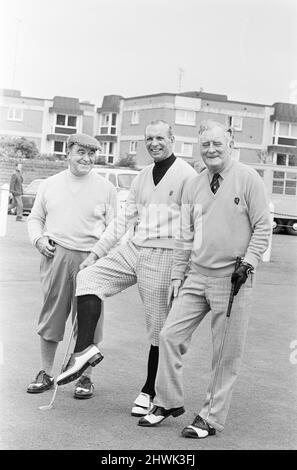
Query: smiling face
(158, 141)
(81, 159)
(215, 149)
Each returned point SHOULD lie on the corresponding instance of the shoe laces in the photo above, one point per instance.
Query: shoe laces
(200, 423)
(41, 376)
(84, 380)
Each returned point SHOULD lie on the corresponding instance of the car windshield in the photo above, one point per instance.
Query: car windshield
(125, 180)
(33, 186)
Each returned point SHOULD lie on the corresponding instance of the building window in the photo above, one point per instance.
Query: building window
(108, 151)
(59, 147)
(183, 149)
(187, 118)
(66, 121)
(284, 128)
(61, 120)
(15, 114)
(135, 117)
(108, 124)
(235, 122)
(286, 159)
(285, 133)
(293, 130)
(133, 147)
(284, 183)
(71, 121)
(113, 127)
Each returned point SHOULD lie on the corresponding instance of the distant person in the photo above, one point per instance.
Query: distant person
(16, 190)
(153, 209)
(71, 211)
(225, 215)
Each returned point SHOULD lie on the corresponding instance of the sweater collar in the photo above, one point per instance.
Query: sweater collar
(73, 177)
(165, 163)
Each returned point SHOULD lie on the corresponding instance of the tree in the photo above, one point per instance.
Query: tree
(19, 147)
(27, 148)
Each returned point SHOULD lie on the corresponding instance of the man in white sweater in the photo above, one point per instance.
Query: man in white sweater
(224, 215)
(71, 212)
(153, 209)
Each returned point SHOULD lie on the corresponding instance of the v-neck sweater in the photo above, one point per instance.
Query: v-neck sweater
(153, 210)
(216, 228)
(73, 211)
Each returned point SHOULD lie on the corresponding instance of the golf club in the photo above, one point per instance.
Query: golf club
(231, 297)
(50, 405)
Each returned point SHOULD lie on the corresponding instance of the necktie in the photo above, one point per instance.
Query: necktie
(215, 184)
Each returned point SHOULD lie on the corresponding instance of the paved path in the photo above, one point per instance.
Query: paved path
(263, 413)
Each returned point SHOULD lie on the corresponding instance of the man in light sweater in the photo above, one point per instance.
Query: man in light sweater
(153, 208)
(71, 211)
(224, 215)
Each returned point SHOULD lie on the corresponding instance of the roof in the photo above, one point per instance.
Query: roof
(285, 112)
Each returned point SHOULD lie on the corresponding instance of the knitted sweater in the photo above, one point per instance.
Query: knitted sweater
(154, 211)
(73, 211)
(216, 228)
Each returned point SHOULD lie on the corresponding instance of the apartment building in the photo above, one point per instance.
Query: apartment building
(263, 133)
(250, 122)
(47, 122)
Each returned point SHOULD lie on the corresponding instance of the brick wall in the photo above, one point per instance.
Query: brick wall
(31, 169)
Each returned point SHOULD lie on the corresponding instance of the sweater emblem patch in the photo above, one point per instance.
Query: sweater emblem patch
(236, 200)
(171, 192)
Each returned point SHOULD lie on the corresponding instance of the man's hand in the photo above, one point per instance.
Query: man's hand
(173, 290)
(91, 259)
(239, 277)
(45, 248)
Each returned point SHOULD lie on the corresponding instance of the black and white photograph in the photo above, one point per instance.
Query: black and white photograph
(148, 229)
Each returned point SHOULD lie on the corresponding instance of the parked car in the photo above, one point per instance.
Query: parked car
(28, 197)
(121, 179)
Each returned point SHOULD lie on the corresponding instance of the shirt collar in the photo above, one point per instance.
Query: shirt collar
(222, 173)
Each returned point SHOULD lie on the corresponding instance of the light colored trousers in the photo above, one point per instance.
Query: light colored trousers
(58, 282)
(17, 202)
(199, 295)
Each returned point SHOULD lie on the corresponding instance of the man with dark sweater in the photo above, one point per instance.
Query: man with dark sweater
(224, 215)
(153, 208)
(16, 189)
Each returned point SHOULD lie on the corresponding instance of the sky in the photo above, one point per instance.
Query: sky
(246, 49)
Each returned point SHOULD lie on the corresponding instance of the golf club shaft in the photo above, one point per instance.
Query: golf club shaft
(49, 406)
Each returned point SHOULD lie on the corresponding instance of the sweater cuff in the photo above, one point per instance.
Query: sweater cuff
(251, 259)
(99, 251)
(35, 240)
(178, 274)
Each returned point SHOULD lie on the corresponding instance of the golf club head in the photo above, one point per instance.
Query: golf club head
(46, 407)
(50, 405)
